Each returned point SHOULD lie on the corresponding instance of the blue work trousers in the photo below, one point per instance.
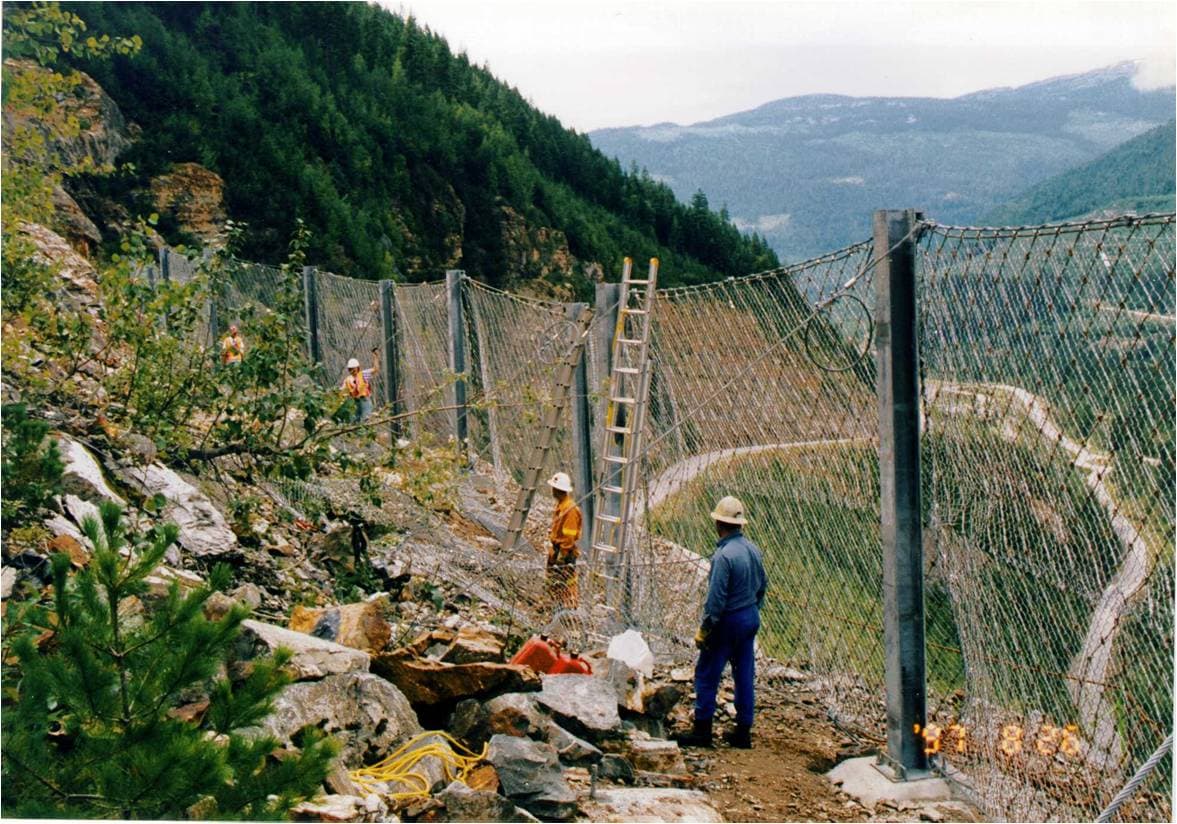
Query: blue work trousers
(732, 639)
(363, 409)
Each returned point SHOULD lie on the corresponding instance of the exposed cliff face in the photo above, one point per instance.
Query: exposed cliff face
(103, 132)
(538, 258)
(194, 197)
(73, 224)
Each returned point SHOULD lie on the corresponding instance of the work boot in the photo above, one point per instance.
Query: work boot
(699, 736)
(740, 737)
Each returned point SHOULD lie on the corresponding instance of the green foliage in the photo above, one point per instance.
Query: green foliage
(429, 473)
(1135, 176)
(387, 144)
(32, 465)
(91, 732)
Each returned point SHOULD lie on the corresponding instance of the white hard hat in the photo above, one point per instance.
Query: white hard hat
(729, 510)
(560, 481)
(352, 363)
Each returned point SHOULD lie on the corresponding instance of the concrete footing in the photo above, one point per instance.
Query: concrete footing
(862, 780)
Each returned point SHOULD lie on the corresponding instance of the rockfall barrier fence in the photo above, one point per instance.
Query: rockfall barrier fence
(1016, 422)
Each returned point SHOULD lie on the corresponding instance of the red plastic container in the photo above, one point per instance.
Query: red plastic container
(573, 663)
(538, 653)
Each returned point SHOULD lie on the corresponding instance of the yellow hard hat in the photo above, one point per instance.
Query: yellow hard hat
(560, 481)
(729, 510)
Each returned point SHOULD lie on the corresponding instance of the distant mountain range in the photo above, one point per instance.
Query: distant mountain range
(806, 172)
(1136, 176)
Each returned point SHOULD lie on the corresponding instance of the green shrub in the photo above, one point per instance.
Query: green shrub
(31, 465)
(91, 732)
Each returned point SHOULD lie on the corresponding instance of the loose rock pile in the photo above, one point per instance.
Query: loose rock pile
(376, 673)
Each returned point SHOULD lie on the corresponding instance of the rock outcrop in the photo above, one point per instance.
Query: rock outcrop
(195, 198)
(103, 134)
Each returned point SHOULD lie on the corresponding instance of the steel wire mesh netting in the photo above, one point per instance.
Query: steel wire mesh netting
(348, 314)
(253, 289)
(1048, 454)
(422, 316)
(763, 387)
(519, 346)
(183, 270)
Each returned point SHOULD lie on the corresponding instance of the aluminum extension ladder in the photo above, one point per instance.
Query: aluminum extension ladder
(538, 460)
(629, 388)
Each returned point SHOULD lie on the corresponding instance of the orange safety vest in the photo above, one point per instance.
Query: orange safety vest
(566, 526)
(356, 386)
(232, 349)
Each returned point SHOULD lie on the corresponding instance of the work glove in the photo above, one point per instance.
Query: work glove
(702, 638)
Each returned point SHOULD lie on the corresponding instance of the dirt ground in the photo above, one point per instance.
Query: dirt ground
(782, 778)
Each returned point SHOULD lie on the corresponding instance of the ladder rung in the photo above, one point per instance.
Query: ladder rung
(642, 282)
(614, 489)
(605, 547)
(626, 370)
(619, 429)
(629, 311)
(630, 341)
(613, 519)
(622, 400)
(617, 459)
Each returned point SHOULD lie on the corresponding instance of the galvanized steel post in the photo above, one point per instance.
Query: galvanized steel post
(582, 435)
(453, 285)
(392, 393)
(607, 312)
(310, 296)
(899, 481)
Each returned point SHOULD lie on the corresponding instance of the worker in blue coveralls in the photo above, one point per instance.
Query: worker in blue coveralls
(731, 618)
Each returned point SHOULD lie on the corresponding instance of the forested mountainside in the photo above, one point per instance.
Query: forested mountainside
(402, 157)
(1135, 176)
(806, 172)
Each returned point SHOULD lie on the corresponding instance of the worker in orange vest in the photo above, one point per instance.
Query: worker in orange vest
(358, 386)
(565, 537)
(232, 347)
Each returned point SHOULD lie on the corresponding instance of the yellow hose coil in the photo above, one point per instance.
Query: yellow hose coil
(456, 761)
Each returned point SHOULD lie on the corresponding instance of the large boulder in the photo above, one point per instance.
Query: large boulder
(203, 530)
(430, 683)
(583, 704)
(313, 657)
(369, 716)
(360, 626)
(530, 775)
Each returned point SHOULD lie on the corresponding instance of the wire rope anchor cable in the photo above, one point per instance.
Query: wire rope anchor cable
(843, 343)
(1134, 783)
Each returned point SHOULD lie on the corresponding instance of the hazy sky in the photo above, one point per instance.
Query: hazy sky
(613, 63)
